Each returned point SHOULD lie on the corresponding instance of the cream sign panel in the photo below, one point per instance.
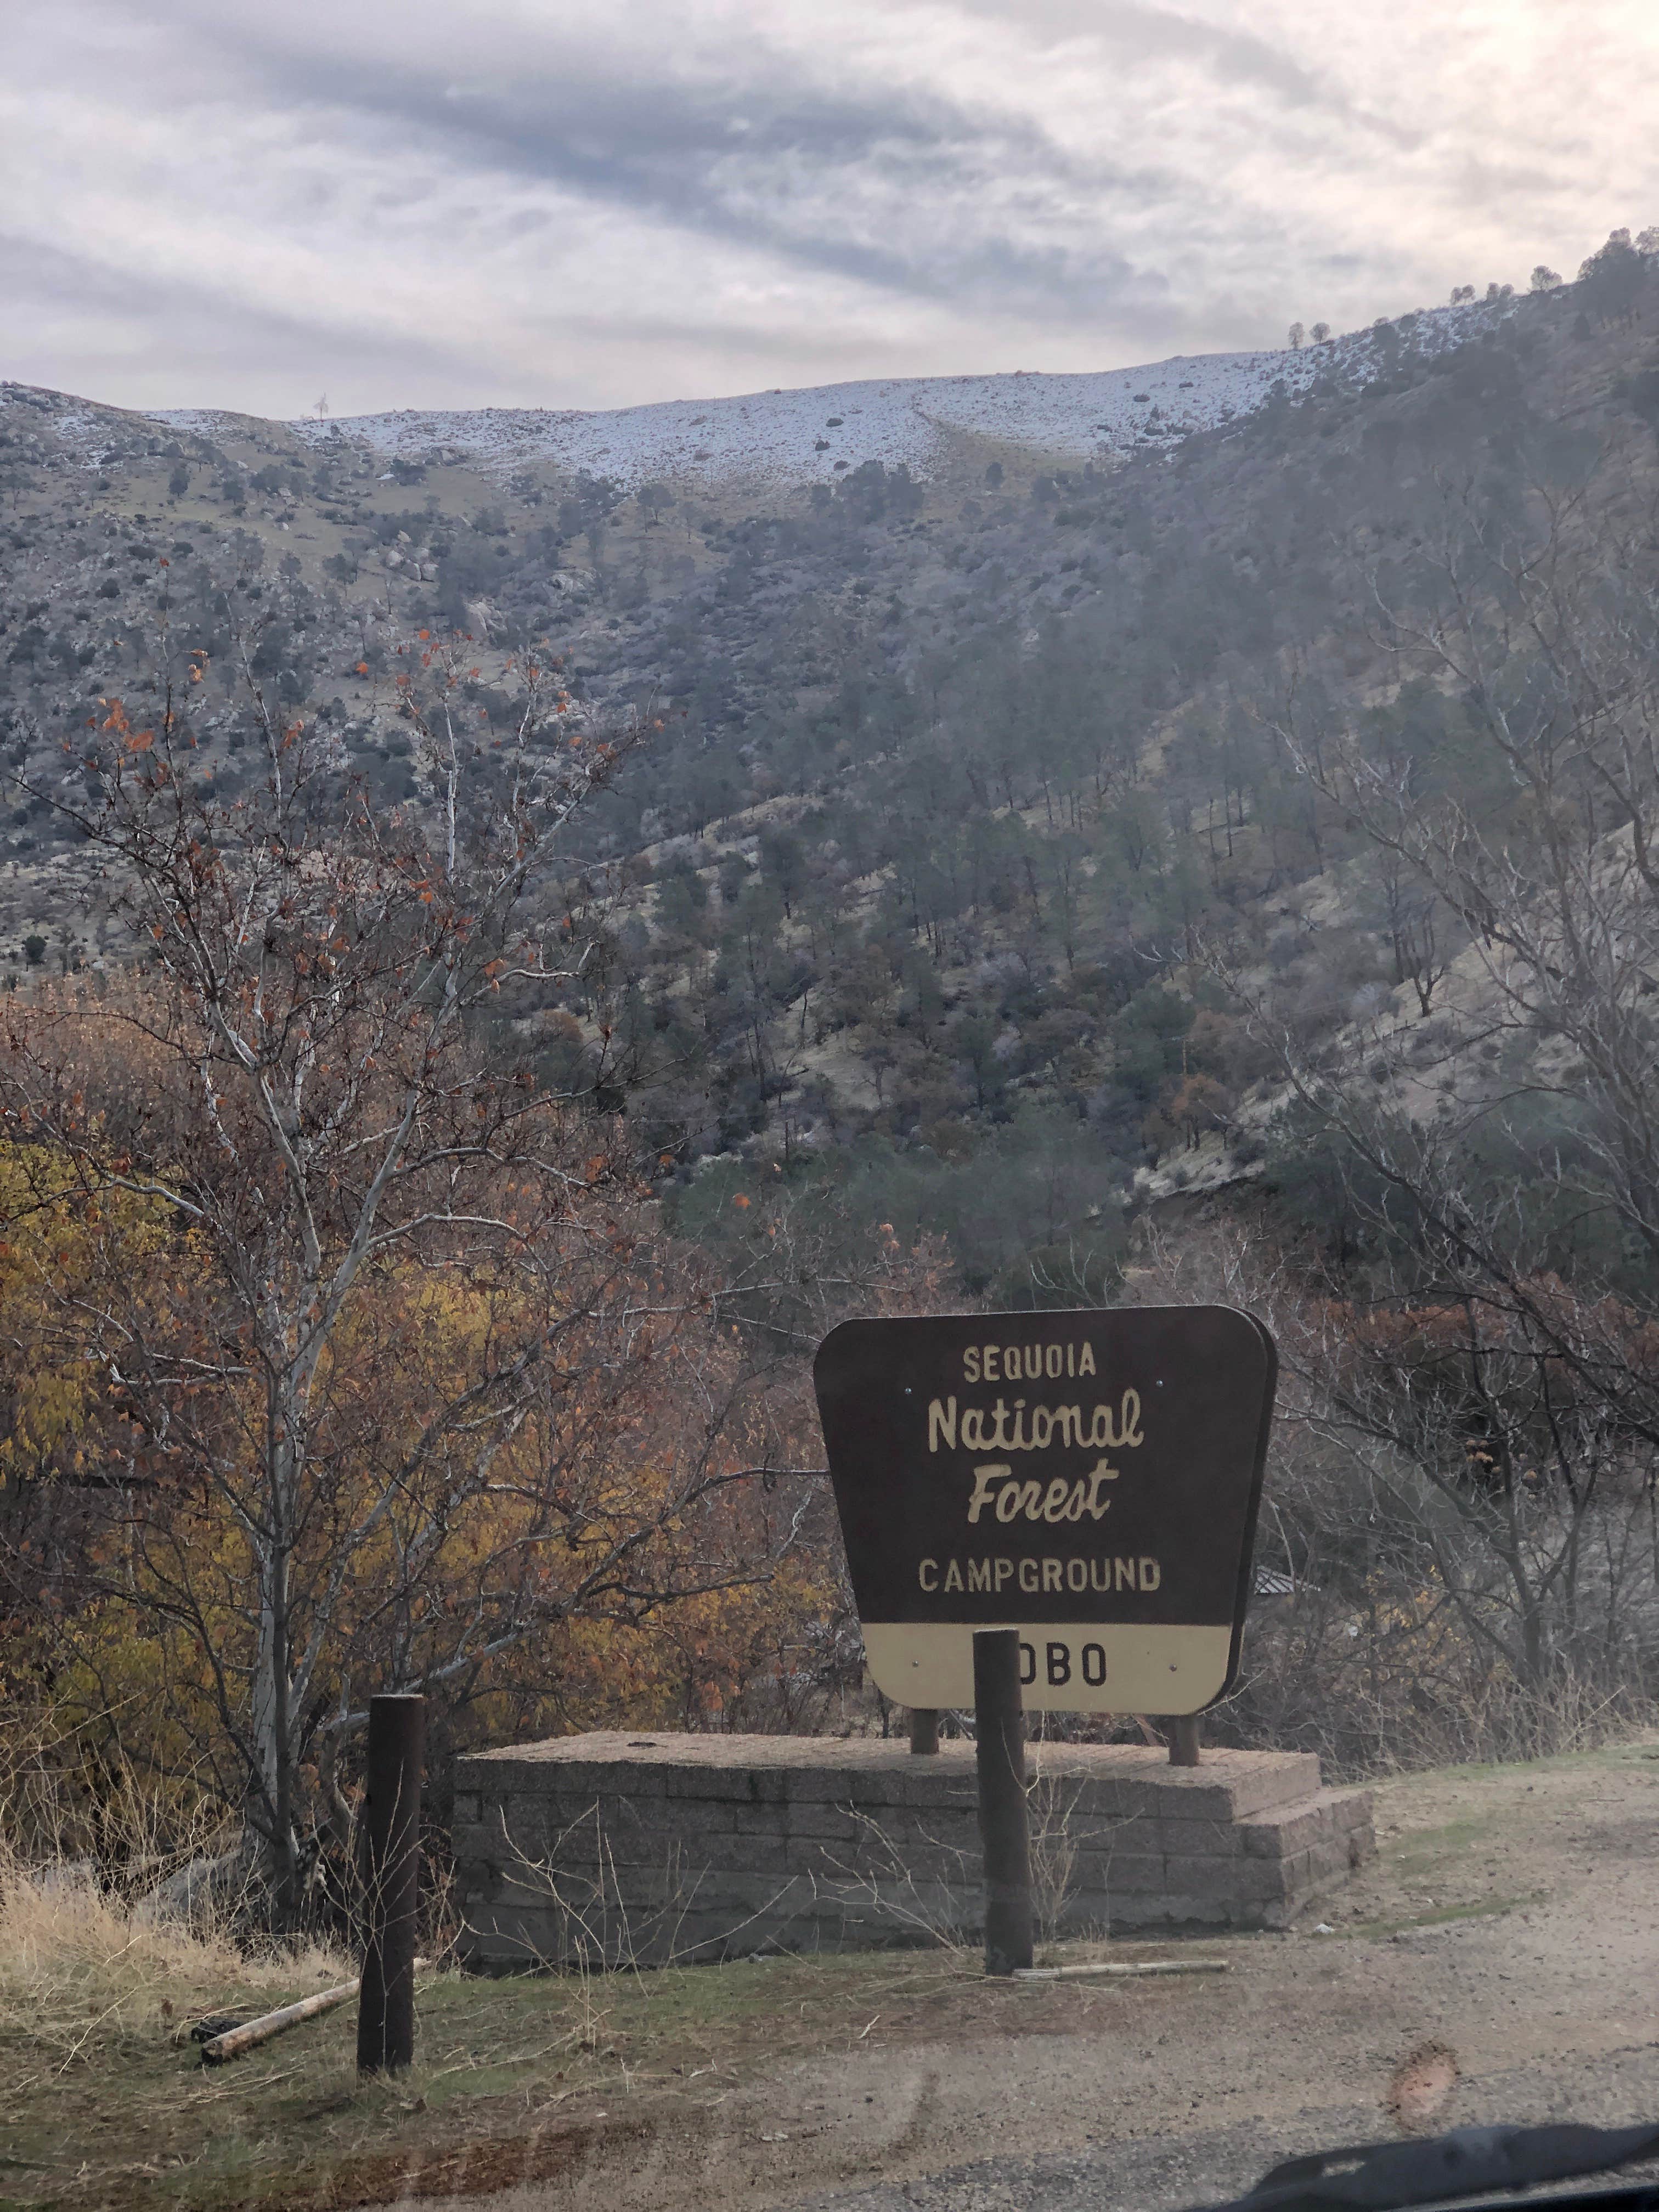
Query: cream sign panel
(1090, 1479)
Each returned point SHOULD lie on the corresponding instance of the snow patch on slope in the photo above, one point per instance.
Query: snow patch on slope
(823, 431)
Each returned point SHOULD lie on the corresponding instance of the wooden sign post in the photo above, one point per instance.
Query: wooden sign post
(1087, 1481)
(1005, 1835)
(391, 1880)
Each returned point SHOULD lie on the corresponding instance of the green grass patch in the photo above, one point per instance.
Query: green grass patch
(1484, 1908)
(1636, 1752)
(1419, 1850)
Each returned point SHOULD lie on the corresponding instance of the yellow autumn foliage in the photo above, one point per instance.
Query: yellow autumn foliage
(131, 1632)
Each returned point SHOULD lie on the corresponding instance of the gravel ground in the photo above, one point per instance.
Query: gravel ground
(1162, 2173)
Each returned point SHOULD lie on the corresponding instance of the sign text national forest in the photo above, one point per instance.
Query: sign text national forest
(1090, 1479)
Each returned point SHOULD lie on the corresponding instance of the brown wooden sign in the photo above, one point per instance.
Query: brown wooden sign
(1090, 1479)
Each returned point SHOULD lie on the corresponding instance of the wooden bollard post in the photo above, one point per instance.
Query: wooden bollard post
(1000, 1733)
(924, 1729)
(1185, 1738)
(392, 1876)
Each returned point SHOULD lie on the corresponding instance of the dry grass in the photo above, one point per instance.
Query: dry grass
(87, 1954)
(103, 2104)
(81, 1964)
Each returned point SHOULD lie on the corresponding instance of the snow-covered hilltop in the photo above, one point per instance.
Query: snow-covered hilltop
(823, 431)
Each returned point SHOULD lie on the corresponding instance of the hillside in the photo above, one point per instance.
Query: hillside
(927, 424)
(973, 694)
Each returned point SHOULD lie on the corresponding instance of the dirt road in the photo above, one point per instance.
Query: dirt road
(1512, 1917)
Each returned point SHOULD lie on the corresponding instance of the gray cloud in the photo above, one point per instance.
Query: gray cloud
(76, 324)
(484, 201)
(894, 188)
(1142, 33)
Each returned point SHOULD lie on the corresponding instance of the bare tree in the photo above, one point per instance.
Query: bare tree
(1454, 1528)
(1483, 1349)
(393, 1376)
(1410, 916)
(1550, 627)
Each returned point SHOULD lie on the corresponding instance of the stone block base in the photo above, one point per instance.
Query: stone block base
(610, 1849)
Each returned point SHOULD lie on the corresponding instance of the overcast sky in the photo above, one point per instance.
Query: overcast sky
(588, 203)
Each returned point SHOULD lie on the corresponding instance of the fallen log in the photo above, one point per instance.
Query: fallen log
(1122, 1970)
(237, 2040)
